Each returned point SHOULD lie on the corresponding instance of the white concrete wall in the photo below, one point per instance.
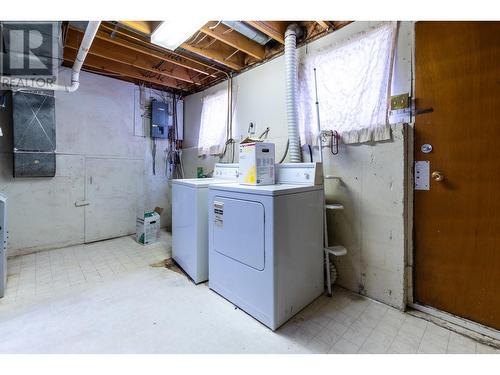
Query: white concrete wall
(373, 175)
(97, 121)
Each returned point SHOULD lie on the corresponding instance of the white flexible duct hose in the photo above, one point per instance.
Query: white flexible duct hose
(291, 92)
(87, 40)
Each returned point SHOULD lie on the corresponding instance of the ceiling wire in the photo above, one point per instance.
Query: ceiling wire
(198, 42)
(103, 72)
(193, 37)
(215, 26)
(231, 55)
(210, 43)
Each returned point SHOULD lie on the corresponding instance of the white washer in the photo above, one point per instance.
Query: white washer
(190, 220)
(266, 243)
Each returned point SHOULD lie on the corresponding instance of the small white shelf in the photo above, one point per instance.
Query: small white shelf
(334, 206)
(338, 251)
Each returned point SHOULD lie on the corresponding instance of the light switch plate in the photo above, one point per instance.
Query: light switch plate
(422, 175)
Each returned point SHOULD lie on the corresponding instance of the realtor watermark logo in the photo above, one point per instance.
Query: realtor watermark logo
(30, 52)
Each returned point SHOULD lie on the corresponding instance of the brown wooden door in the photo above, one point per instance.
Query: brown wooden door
(457, 221)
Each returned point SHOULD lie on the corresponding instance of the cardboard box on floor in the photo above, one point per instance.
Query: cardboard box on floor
(256, 164)
(148, 227)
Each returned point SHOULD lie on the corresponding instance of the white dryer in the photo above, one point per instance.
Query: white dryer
(190, 220)
(266, 243)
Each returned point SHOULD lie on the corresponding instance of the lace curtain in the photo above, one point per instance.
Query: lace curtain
(213, 124)
(354, 81)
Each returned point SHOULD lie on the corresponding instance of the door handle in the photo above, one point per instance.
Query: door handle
(437, 176)
(423, 111)
(81, 203)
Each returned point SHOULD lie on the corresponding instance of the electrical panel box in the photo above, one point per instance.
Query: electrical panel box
(34, 134)
(161, 119)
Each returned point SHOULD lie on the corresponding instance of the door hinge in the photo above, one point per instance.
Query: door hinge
(399, 102)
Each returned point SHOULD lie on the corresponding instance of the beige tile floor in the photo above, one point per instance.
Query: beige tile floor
(48, 273)
(105, 298)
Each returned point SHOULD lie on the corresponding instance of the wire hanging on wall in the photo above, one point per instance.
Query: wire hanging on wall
(174, 167)
(229, 122)
(153, 156)
(334, 140)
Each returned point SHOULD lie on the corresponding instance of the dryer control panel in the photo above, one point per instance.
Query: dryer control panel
(300, 173)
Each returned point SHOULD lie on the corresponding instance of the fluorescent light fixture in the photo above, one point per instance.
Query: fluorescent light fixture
(171, 34)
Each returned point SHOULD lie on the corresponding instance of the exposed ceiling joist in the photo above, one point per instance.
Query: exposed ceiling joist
(324, 24)
(273, 29)
(103, 49)
(234, 39)
(214, 54)
(215, 72)
(145, 27)
(103, 64)
(339, 24)
(123, 49)
(174, 59)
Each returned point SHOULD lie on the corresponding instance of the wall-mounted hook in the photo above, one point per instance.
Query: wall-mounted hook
(251, 128)
(334, 140)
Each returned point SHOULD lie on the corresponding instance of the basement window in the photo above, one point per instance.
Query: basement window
(213, 125)
(354, 82)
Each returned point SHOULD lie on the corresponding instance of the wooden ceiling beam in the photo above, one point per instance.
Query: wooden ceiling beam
(102, 64)
(324, 25)
(273, 29)
(234, 39)
(104, 56)
(177, 60)
(103, 49)
(339, 24)
(137, 38)
(213, 54)
(145, 27)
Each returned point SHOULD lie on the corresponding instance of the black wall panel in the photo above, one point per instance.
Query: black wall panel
(34, 132)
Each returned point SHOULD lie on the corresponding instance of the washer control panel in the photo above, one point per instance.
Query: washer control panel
(225, 171)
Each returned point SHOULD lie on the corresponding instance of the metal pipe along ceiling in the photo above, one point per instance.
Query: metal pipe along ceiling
(247, 31)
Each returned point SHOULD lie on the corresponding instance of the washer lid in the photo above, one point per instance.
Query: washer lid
(199, 182)
(272, 190)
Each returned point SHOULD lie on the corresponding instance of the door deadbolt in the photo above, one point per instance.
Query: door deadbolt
(426, 148)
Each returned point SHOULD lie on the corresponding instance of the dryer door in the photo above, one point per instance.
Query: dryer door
(238, 230)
